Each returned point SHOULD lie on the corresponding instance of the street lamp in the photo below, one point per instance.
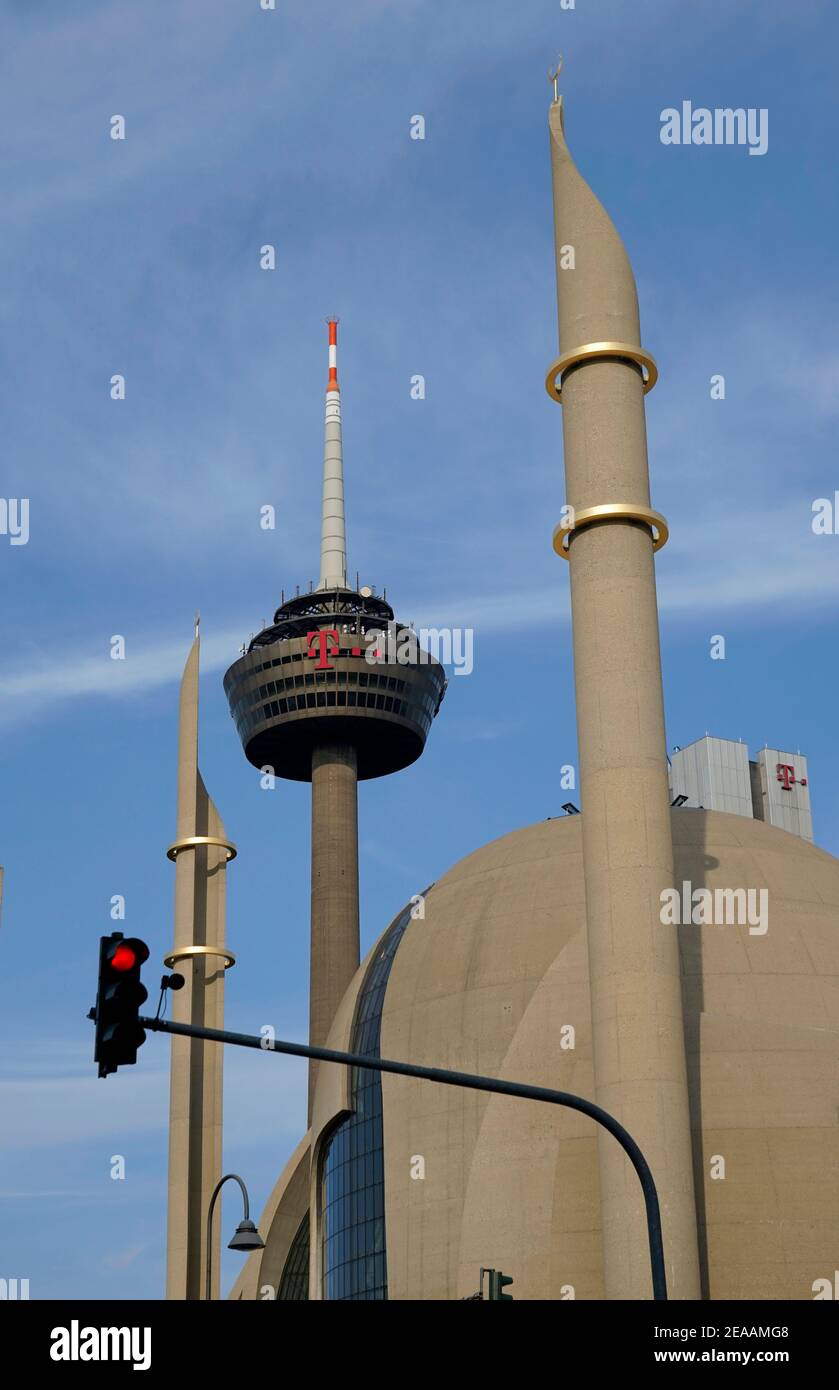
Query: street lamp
(246, 1236)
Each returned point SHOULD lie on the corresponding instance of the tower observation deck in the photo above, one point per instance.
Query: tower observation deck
(307, 680)
(334, 691)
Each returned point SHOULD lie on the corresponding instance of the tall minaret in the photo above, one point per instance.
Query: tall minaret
(309, 706)
(201, 852)
(609, 538)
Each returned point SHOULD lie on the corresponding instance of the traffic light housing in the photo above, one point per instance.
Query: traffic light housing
(497, 1283)
(118, 998)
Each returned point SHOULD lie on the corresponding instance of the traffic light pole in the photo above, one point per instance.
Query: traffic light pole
(473, 1083)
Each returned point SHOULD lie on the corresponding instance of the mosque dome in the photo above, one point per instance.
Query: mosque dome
(416, 1185)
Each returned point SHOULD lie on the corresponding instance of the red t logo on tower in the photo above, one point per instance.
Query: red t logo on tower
(323, 642)
(787, 777)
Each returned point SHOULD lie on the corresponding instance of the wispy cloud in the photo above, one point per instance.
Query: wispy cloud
(482, 730)
(123, 1259)
(722, 565)
(144, 668)
(50, 1095)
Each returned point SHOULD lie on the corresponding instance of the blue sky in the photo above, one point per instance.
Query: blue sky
(141, 257)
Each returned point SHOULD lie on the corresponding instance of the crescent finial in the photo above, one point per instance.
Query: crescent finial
(553, 76)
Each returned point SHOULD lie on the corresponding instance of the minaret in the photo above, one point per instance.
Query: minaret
(610, 538)
(201, 852)
(311, 705)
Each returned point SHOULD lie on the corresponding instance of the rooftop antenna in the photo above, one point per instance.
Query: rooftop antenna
(333, 533)
(553, 76)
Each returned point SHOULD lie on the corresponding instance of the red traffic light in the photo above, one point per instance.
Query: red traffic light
(120, 993)
(123, 958)
(127, 955)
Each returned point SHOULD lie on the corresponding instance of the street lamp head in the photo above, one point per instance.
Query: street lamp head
(247, 1238)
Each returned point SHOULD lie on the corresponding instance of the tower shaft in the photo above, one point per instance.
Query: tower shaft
(195, 1106)
(636, 1000)
(334, 920)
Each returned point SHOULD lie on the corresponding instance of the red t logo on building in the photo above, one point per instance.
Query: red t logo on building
(323, 642)
(787, 778)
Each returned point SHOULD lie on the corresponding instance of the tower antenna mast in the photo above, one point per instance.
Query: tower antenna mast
(333, 532)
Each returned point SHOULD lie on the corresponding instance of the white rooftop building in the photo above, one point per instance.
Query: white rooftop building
(717, 774)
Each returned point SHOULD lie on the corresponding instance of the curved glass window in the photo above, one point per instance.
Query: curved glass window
(294, 1285)
(353, 1190)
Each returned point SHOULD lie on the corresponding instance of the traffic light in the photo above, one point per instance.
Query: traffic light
(497, 1283)
(118, 998)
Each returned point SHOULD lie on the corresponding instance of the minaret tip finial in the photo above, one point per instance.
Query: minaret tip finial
(197, 623)
(554, 77)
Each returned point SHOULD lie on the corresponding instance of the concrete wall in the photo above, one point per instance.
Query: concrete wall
(490, 982)
(493, 980)
(788, 807)
(713, 773)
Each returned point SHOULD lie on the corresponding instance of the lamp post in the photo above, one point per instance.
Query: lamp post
(246, 1236)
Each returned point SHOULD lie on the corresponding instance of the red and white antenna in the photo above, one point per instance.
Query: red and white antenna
(333, 355)
(333, 534)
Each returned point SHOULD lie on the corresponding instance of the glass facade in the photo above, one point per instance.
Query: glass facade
(359, 689)
(294, 1285)
(353, 1192)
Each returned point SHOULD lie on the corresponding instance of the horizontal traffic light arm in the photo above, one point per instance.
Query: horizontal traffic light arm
(473, 1083)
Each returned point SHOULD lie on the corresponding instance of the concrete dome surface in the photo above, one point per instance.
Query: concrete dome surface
(494, 980)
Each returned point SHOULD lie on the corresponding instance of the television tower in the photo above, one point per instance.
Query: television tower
(326, 695)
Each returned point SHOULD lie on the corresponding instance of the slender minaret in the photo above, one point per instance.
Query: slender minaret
(201, 852)
(309, 706)
(609, 537)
